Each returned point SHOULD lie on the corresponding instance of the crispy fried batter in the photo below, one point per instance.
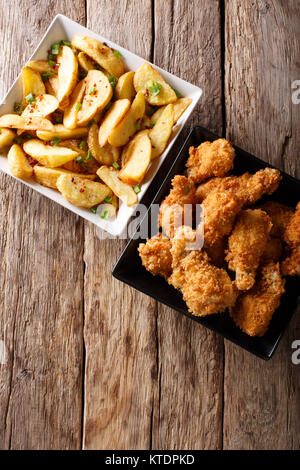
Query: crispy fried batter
(273, 250)
(206, 289)
(254, 309)
(280, 215)
(210, 159)
(156, 256)
(292, 232)
(177, 208)
(246, 245)
(291, 265)
(216, 252)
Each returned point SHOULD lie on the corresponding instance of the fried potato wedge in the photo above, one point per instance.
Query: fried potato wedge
(48, 155)
(85, 62)
(67, 73)
(71, 111)
(32, 83)
(41, 66)
(98, 93)
(60, 131)
(18, 164)
(113, 116)
(145, 77)
(105, 155)
(86, 165)
(82, 192)
(43, 106)
(125, 88)
(13, 121)
(6, 137)
(49, 176)
(137, 160)
(161, 132)
(111, 177)
(127, 127)
(100, 53)
(178, 109)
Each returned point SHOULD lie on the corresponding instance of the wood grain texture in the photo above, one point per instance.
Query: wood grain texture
(188, 402)
(261, 406)
(119, 330)
(41, 277)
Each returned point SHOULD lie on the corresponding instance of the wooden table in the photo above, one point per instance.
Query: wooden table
(91, 363)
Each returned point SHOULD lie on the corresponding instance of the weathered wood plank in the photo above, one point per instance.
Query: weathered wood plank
(41, 277)
(261, 406)
(188, 402)
(119, 331)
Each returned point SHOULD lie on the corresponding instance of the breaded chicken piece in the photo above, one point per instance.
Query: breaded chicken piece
(254, 309)
(177, 206)
(156, 256)
(216, 252)
(246, 244)
(280, 216)
(222, 184)
(210, 159)
(291, 265)
(206, 289)
(273, 250)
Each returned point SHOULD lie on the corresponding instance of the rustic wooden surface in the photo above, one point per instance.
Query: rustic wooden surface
(92, 363)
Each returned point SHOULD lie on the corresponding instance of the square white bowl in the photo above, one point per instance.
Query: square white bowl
(64, 28)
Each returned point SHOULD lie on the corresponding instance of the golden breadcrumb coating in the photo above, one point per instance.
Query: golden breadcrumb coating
(254, 309)
(177, 206)
(292, 232)
(216, 252)
(273, 250)
(291, 265)
(246, 244)
(280, 216)
(156, 256)
(210, 159)
(206, 289)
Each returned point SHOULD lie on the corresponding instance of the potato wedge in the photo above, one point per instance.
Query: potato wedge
(137, 160)
(48, 155)
(98, 93)
(43, 106)
(41, 66)
(100, 53)
(13, 121)
(107, 211)
(125, 192)
(161, 132)
(18, 164)
(126, 128)
(85, 62)
(86, 164)
(178, 109)
(125, 88)
(144, 77)
(113, 116)
(71, 112)
(67, 73)
(6, 137)
(32, 83)
(128, 148)
(82, 192)
(49, 176)
(105, 155)
(60, 131)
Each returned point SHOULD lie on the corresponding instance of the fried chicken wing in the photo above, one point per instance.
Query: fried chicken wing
(156, 256)
(292, 232)
(273, 250)
(280, 216)
(291, 265)
(254, 309)
(246, 244)
(206, 289)
(176, 209)
(210, 159)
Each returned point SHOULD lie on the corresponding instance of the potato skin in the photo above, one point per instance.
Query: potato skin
(18, 164)
(146, 73)
(6, 137)
(82, 192)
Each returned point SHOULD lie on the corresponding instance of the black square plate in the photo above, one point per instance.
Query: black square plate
(130, 270)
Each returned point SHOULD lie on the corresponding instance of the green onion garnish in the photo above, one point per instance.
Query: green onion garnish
(90, 123)
(55, 141)
(152, 124)
(154, 87)
(78, 106)
(178, 94)
(136, 189)
(104, 214)
(138, 125)
(89, 156)
(82, 144)
(108, 199)
(18, 108)
(18, 140)
(118, 54)
(55, 48)
(116, 165)
(94, 210)
(30, 98)
(46, 75)
(51, 62)
(65, 43)
(79, 160)
(108, 106)
(113, 81)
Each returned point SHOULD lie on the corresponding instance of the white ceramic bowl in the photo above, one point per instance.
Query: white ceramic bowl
(64, 28)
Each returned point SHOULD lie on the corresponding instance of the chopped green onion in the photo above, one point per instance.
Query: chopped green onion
(108, 199)
(51, 62)
(18, 140)
(113, 81)
(82, 144)
(152, 124)
(92, 91)
(154, 87)
(30, 98)
(116, 165)
(65, 43)
(89, 156)
(46, 75)
(50, 57)
(138, 125)
(55, 48)
(136, 189)
(118, 54)
(79, 160)
(55, 141)
(108, 106)
(18, 108)
(90, 123)
(94, 210)
(74, 51)
(58, 118)
(78, 106)
(104, 214)
(178, 94)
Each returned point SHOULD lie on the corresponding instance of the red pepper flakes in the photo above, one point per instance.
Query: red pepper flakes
(81, 190)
